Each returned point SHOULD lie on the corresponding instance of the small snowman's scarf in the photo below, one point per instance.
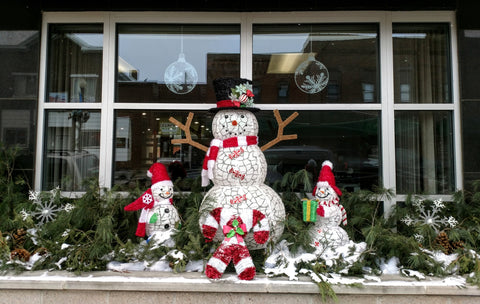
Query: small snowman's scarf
(334, 202)
(212, 153)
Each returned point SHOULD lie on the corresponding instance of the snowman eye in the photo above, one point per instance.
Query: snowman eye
(226, 116)
(242, 116)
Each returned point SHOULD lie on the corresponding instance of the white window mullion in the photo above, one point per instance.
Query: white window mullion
(457, 137)
(388, 114)
(108, 91)
(246, 47)
(41, 107)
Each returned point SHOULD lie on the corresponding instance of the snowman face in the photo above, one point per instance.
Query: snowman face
(161, 192)
(325, 193)
(231, 123)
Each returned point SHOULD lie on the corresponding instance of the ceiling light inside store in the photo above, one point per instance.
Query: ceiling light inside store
(285, 63)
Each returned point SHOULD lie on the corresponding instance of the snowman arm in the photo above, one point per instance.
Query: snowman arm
(281, 125)
(144, 201)
(188, 137)
(261, 228)
(210, 227)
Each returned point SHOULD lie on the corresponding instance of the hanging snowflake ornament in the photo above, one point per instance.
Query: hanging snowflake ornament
(180, 76)
(311, 76)
(429, 216)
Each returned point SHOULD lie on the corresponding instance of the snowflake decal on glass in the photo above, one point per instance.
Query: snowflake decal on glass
(311, 76)
(430, 216)
(180, 76)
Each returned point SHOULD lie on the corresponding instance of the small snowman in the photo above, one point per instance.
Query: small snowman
(327, 233)
(158, 216)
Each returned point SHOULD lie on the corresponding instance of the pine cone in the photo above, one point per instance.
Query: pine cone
(444, 242)
(19, 237)
(458, 245)
(20, 254)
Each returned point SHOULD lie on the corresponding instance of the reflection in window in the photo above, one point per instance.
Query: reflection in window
(72, 147)
(158, 62)
(421, 54)
(348, 51)
(75, 63)
(424, 152)
(350, 139)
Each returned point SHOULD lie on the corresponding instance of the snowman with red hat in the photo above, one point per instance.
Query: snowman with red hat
(158, 216)
(329, 214)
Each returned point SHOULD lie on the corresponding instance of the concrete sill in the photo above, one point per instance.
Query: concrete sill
(194, 287)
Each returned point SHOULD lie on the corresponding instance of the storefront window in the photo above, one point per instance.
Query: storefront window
(350, 139)
(421, 63)
(424, 152)
(19, 60)
(174, 63)
(75, 54)
(316, 63)
(72, 148)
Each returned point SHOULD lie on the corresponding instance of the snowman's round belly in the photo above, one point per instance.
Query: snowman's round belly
(161, 218)
(240, 166)
(259, 197)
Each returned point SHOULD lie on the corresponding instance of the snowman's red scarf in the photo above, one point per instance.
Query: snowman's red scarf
(335, 202)
(212, 153)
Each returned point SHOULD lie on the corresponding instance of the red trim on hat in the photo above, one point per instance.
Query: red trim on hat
(228, 104)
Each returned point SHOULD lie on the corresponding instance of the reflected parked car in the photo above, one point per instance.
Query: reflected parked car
(69, 169)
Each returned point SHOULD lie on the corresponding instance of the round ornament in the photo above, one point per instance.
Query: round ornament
(311, 76)
(180, 76)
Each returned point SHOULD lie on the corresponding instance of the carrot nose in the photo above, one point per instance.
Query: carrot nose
(167, 193)
(234, 123)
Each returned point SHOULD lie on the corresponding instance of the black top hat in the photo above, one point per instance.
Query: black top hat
(233, 93)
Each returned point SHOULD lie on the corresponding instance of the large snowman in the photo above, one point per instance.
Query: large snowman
(159, 216)
(236, 164)
(330, 214)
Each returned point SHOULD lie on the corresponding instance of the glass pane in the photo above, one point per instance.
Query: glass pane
(291, 63)
(19, 61)
(350, 139)
(424, 152)
(72, 147)
(75, 54)
(175, 63)
(421, 61)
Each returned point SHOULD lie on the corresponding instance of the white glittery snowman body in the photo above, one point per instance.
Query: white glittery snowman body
(162, 218)
(327, 231)
(239, 175)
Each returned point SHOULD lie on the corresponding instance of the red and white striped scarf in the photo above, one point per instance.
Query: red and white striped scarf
(212, 153)
(336, 202)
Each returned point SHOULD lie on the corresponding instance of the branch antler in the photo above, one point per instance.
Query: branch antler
(281, 125)
(186, 128)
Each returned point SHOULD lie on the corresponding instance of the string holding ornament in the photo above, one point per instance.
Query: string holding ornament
(180, 76)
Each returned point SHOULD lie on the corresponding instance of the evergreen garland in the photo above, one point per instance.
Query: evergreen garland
(97, 230)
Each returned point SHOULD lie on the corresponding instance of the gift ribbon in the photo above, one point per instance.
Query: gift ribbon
(236, 229)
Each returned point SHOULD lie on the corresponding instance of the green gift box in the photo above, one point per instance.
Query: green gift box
(309, 210)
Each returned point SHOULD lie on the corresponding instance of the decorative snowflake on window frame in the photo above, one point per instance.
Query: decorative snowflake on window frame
(429, 216)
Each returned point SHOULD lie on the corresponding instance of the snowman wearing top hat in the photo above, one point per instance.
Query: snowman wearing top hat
(330, 214)
(158, 216)
(236, 165)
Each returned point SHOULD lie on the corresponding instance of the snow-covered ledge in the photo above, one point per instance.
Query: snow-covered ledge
(194, 287)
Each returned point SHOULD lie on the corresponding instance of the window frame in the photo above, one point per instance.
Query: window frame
(386, 106)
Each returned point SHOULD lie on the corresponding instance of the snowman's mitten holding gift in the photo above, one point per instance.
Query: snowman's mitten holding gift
(235, 226)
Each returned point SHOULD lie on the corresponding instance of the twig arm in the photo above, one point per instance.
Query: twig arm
(281, 125)
(188, 137)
